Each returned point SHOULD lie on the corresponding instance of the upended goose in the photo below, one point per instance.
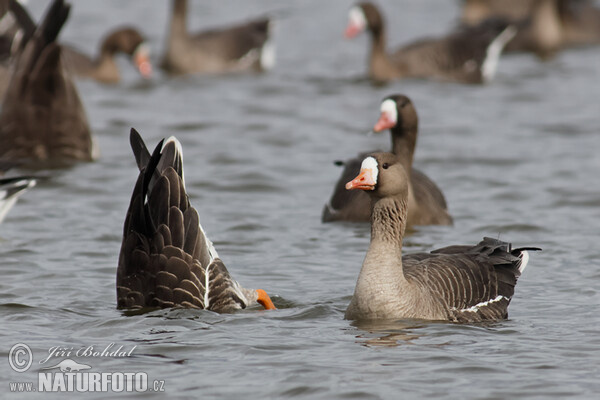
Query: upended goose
(426, 202)
(166, 260)
(11, 189)
(103, 68)
(42, 118)
(469, 55)
(455, 283)
(243, 47)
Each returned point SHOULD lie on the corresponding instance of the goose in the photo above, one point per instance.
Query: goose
(13, 33)
(11, 189)
(545, 26)
(455, 283)
(42, 119)
(242, 47)
(469, 55)
(166, 259)
(426, 202)
(103, 68)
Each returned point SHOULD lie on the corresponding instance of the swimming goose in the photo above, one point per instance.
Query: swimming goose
(104, 68)
(166, 259)
(455, 283)
(237, 48)
(545, 26)
(426, 202)
(469, 55)
(42, 118)
(11, 189)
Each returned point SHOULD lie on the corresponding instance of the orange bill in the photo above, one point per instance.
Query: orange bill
(384, 122)
(265, 300)
(364, 181)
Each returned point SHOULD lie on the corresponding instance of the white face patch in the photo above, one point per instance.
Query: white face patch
(389, 108)
(371, 164)
(143, 50)
(356, 17)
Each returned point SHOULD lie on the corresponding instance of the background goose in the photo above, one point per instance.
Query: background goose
(545, 26)
(237, 48)
(456, 283)
(426, 202)
(469, 55)
(42, 118)
(11, 189)
(166, 258)
(103, 68)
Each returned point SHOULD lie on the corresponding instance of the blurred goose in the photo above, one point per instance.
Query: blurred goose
(545, 26)
(469, 55)
(238, 48)
(166, 259)
(15, 28)
(426, 202)
(104, 68)
(11, 189)
(42, 118)
(455, 283)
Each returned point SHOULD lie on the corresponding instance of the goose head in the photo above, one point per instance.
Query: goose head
(396, 111)
(361, 17)
(381, 175)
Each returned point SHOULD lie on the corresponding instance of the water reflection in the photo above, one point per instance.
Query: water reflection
(388, 333)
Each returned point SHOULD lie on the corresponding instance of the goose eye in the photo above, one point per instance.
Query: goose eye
(385, 166)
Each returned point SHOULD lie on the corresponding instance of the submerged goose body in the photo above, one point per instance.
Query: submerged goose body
(166, 259)
(243, 47)
(469, 55)
(42, 118)
(456, 283)
(426, 202)
(104, 67)
(11, 189)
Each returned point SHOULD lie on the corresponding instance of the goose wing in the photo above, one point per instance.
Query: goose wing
(472, 283)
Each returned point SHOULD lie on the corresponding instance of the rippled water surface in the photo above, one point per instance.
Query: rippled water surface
(517, 159)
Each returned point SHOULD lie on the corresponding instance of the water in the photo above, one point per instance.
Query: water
(517, 159)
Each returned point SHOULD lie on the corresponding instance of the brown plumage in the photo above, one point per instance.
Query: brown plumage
(456, 283)
(166, 260)
(103, 68)
(232, 49)
(426, 205)
(545, 26)
(467, 55)
(42, 118)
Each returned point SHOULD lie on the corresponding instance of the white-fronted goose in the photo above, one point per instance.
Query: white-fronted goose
(42, 118)
(166, 260)
(238, 48)
(468, 55)
(426, 202)
(104, 68)
(15, 28)
(455, 283)
(11, 189)
(545, 26)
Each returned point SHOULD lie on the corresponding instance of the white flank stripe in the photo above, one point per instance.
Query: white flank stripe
(476, 307)
(524, 260)
(493, 52)
(206, 290)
